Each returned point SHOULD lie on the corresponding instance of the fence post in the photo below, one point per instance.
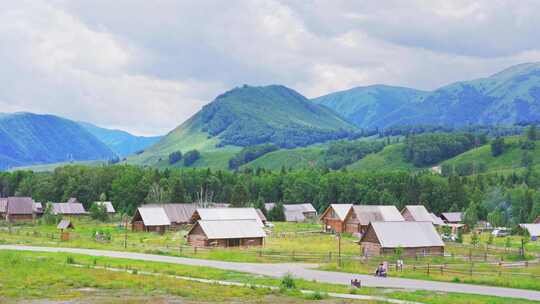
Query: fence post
(471, 269)
(428, 269)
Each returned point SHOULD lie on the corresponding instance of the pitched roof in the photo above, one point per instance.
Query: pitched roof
(216, 214)
(436, 220)
(377, 213)
(341, 210)
(3, 204)
(231, 229)
(419, 213)
(68, 208)
(261, 215)
(64, 224)
(452, 217)
(108, 205)
(296, 212)
(20, 205)
(179, 213)
(153, 216)
(38, 207)
(533, 229)
(405, 234)
(73, 200)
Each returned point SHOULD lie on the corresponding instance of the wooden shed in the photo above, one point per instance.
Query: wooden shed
(414, 238)
(296, 212)
(71, 208)
(150, 219)
(15, 209)
(226, 233)
(334, 217)
(416, 213)
(452, 217)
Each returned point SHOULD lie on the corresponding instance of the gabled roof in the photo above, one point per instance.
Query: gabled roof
(533, 229)
(153, 216)
(377, 213)
(405, 234)
(296, 212)
(261, 215)
(221, 214)
(38, 207)
(20, 205)
(64, 224)
(341, 210)
(179, 213)
(230, 229)
(108, 206)
(436, 220)
(452, 217)
(68, 208)
(419, 213)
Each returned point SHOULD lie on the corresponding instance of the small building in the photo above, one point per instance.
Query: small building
(334, 216)
(416, 213)
(414, 238)
(226, 233)
(360, 216)
(150, 219)
(108, 206)
(65, 224)
(226, 214)
(296, 212)
(38, 209)
(68, 209)
(532, 229)
(452, 217)
(18, 209)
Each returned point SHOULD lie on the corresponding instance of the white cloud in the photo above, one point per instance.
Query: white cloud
(146, 66)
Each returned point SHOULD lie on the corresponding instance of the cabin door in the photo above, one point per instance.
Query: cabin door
(233, 243)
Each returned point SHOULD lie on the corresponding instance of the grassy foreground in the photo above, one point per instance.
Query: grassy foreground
(30, 275)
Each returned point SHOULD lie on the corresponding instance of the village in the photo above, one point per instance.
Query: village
(357, 239)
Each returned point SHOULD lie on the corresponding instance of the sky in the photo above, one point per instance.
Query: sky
(147, 66)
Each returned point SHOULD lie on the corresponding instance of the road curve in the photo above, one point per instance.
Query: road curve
(303, 271)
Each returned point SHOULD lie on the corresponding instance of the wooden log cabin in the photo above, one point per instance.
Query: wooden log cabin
(226, 233)
(150, 219)
(414, 238)
(15, 209)
(334, 217)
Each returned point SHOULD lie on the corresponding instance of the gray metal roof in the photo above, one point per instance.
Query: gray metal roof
(297, 212)
(231, 229)
(377, 213)
(452, 217)
(436, 220)
(533, 229)
(108, 205)
(20, 205)
(64, 224)
(406, 234)
(341, 210)
(221, 214)
(179, 213)
(419, 213)
(261, 215)
(154, 216)
(68, 208)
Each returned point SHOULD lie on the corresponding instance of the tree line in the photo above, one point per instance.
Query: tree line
(506, 199)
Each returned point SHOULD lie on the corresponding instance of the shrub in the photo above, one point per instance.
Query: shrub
(70, 260)
(287, 282)
(191, 157)
(317, 295)
(175, 157)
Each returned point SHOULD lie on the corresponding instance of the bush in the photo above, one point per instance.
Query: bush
(175, 157)
(191, 157)
(497, 146)
(248, 154)
(70, 260)
(317, 295)
(287, 282)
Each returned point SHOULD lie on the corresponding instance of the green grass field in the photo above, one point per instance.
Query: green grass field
(299, 158)
(26, 276)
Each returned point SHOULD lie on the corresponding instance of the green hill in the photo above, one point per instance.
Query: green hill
(298, 158)
(511, 158)
(389, 159)
(120, 142)
(248, 116)
(508, 97)
(28, 139)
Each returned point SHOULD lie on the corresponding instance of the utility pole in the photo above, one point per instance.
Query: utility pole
(339, 249)
(125, 230)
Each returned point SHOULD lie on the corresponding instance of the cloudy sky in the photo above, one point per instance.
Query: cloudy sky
(146, 66)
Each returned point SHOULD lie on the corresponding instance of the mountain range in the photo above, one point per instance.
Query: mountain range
(508, 97)
(28, 139)
(253, 115)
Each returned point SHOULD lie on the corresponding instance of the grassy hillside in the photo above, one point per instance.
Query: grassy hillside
(27, 139)
(53, 166)
(249, 116)
(390, 158)
(509, 160)
(299, 158)
(120, 142)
